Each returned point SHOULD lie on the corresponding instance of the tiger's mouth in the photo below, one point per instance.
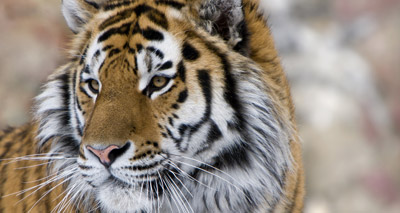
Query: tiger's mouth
(127, 176)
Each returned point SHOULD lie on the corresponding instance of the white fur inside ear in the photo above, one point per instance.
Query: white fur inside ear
(76, 13)
(73, 14)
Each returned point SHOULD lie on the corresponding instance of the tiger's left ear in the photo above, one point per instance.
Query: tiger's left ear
(79, 12)
(225, 18)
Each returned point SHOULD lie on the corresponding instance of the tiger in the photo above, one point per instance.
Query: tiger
(163, 106)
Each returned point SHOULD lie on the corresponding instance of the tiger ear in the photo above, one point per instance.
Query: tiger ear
(79, 12)
(225, 18)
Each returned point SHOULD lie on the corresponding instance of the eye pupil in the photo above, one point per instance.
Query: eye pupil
(159, 81)
(94, 85)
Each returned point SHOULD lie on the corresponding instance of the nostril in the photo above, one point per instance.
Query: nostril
(108, 155)
(115, 153)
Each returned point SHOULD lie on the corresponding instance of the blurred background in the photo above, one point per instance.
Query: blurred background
(343, 62)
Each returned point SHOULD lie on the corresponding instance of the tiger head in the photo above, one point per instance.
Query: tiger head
(161, 109)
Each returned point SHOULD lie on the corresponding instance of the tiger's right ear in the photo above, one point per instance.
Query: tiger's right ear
(79, 12)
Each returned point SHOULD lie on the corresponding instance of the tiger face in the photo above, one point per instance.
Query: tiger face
(160, 111)
(144, 97)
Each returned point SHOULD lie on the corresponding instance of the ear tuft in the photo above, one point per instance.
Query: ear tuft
(225, 18)
(78, 12)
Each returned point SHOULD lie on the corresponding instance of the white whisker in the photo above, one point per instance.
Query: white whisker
(181, 195)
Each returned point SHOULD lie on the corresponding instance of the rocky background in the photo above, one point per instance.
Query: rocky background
(343, 61)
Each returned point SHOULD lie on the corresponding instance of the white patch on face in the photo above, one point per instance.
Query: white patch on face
(92, 62)
(148, 62)
(115, 199)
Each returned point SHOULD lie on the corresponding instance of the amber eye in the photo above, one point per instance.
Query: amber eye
(159, 81)
(93, 85)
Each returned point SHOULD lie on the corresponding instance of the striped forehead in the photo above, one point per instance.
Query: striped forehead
(155, 50)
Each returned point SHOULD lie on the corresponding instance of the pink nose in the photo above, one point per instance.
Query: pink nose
(103, 155)
(108, 155)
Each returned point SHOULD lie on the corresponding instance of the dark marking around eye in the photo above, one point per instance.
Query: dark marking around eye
(166, 65)
(122, 30)
(156, 51)
(84, 91)
(189, 52)
(151, 34)
(183, 96)
(182, 71)
(78, 104)
(101, 66)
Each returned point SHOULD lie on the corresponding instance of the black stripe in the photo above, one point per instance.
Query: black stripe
(158, 18)
(205, 84)
(174, 4)
(113, 52)
(84, 91)
(79, 126)
(93, 4)
(122, 30)
(65, 116)
(235, 155)
(107, 47)
(139, 47)
(112, 6)
(230, 93)
(86, 69)
(96, 54)
(152, 34)
(142, 8)
(189, 52)
(171, 121)
(182, 71)
(182, 96)
(165, 66)
(156, 51)
(213, 135)
(120, 16)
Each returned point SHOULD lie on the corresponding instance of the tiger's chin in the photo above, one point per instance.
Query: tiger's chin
(124, 198)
